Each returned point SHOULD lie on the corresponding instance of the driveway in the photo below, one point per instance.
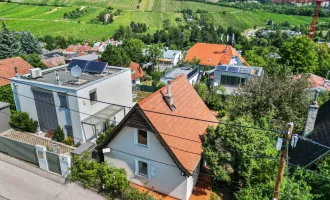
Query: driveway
(17, 183)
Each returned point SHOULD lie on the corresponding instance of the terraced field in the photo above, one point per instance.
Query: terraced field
(47, 20)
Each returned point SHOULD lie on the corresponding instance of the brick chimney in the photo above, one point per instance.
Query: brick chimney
(311, 117)
(168, 97)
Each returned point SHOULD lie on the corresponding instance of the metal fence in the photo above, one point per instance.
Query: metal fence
(53, 162)
(20, 150)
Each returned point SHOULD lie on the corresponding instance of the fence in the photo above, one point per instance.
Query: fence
(146, 88)
(23, 146)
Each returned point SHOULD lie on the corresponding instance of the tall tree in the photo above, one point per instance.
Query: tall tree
(9, 43)
(301, 53)
(115, 56)
(29, 44)
(134, 49)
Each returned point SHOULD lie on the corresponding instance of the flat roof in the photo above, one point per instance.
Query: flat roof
(178, 71)
(88, 57)
(67, 80)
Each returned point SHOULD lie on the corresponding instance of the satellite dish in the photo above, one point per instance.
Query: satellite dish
(76, 71)
(215, 84)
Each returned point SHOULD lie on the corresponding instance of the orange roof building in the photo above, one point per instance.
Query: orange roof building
(7, 69)
(137, 72)
(214, 54)
(163, 134)
(318, 82)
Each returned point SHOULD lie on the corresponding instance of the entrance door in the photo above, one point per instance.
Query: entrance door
(46, 110)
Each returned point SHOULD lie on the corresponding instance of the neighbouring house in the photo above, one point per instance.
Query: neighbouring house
(232, 76)
(318, 83)
(76, 50)
(169, 59)
(317, 128)
(7, 68)
(89, 57)
(158, 142)
(137, 73)
(53, 59)
(57, 96)
(4, 116)
(214, 55)
(189, 72)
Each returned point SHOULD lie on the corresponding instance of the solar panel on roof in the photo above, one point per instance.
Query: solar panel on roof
(221, 68)
(80, 63)
(233, 69)
(95, 67)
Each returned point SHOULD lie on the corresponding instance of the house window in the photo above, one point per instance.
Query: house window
(142, 168)
(92, 96)
(63, 101)
(141, 138)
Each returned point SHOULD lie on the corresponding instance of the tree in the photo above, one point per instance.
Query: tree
(6, 95)
(214, 98)
(29, 44)
(276, 99)
(34, 60)
(115, 56)
(301, 54)
(134, 49)
(202, 90)
(9, 43)
(154, 51)
(22, 121)
(59, 134)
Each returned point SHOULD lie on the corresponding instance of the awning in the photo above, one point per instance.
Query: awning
(103, 115)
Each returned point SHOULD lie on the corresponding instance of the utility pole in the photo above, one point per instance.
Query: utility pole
(281, 167)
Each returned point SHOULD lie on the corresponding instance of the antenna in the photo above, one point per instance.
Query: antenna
(227, 39)
(76, 71)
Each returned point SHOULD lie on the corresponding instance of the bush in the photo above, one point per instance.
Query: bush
(22, 120)
(156, 76)
(134, 194)
(222, 113)
(69, 141)
(59, 134)
(154, 83)
(104, 135)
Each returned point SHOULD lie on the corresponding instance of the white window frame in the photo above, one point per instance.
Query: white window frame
(137, 168)
(136, 132)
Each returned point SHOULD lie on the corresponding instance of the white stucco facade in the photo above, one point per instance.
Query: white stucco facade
(166, 176)
(115, 89)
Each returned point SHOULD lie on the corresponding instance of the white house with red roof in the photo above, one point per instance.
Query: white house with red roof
(159, 142)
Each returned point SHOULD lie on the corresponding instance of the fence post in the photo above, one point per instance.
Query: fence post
(42, 157)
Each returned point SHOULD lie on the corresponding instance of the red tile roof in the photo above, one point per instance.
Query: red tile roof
(317, 81)
(182, 128)
(7, 68)
(138, 70)
(212, 54)
(54, 62)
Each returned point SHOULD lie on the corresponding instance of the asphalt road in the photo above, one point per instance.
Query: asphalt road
(19, 184)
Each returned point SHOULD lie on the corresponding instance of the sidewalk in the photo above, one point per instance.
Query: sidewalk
(20, 180)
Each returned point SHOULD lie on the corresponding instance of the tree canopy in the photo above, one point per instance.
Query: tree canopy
(9, 43)
(29, 44)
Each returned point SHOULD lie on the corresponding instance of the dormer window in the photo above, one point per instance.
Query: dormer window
(141, 138)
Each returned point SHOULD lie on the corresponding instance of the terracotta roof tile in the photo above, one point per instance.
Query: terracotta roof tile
(54, 62)
(182, 128)
(212, 54)
(138, 70)
(317, 81)
(7, 68)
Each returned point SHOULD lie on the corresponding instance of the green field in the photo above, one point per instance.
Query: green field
(47, 20)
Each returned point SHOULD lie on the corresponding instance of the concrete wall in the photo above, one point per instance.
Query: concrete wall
(4, 117)
(167, 180)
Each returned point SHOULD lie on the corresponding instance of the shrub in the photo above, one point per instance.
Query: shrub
(69, 141)
(222, 113)
(22, 120)
(154, 83)
(134, 194)
(156, 76)
(58, 134)
(104, 135)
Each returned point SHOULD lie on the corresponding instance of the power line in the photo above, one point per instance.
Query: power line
(197, 119)
(312, 141)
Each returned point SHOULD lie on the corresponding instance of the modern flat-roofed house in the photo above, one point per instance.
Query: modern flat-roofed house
(169, 59)
(214, 54)
(231, 77)
(189, 72)
(56, 97)
(158, 142)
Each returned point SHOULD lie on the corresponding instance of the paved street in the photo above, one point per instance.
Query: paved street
(20, 184)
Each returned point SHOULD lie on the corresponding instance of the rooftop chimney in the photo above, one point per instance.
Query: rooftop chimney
(311, 117)
(168, 97)
(16, 72)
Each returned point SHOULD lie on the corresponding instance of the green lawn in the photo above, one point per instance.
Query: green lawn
(47, 20)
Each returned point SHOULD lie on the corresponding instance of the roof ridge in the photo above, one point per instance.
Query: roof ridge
(156, 92)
